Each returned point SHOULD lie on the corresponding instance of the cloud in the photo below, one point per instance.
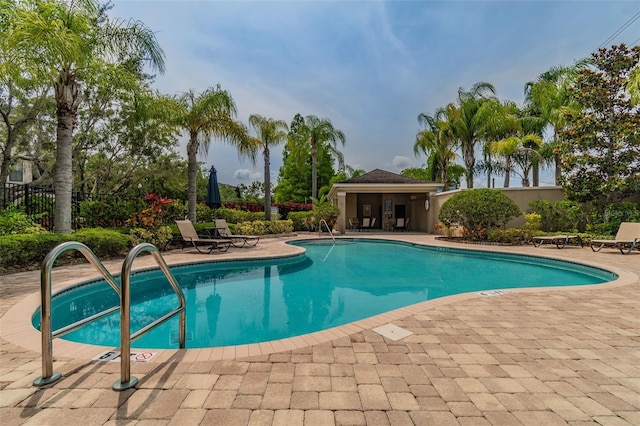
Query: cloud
(401, 162)
(247, 175)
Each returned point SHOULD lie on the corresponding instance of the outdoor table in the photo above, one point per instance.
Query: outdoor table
(214, 232)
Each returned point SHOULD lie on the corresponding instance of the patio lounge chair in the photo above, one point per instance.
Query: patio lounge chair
(224, 232)
(189, 235)
(627, 238)
(559, 240)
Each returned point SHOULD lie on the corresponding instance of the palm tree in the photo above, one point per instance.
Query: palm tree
(321, 135)
(467, 124)
(437, 142)
(206, 115)
(61, 40)
(549, 97)
(519, 147)
(498, 121)
(270, 133)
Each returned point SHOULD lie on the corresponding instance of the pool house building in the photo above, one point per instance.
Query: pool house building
(385, 197)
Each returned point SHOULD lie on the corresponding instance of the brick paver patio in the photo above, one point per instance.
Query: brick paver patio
(532, 357)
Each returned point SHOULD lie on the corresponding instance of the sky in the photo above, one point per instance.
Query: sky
(370, 67)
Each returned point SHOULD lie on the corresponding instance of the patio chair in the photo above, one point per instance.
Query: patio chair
(627, 239)
(401, 224)
(222, 228)
(365, 224)
(189, 235)
(354, 223)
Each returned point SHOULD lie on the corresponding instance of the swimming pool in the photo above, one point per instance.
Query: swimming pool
(240, 302)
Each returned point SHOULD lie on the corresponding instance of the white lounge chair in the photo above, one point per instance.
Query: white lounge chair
(189, 235)
(627, 239)
(559, 240)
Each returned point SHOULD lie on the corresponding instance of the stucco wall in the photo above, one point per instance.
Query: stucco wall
(521, 196)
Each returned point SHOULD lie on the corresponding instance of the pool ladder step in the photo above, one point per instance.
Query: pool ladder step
(124, 293)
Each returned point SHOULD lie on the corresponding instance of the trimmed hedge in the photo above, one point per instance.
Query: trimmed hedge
(19, 251)
(478, 211)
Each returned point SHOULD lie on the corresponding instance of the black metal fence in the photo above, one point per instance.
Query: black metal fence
(38, 201)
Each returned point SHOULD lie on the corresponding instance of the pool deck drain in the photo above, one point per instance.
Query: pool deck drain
(392, 332)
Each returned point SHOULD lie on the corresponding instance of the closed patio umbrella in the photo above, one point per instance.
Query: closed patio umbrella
(213, 199)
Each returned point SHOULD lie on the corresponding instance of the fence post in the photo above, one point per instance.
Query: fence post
(27, 198)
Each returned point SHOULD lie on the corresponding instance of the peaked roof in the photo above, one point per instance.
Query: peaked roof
(382, 176)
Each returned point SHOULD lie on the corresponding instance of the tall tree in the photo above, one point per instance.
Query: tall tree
(204, 116)
(518, 148)
(59, 41)
(468, 126)
(548, 98)
(600, 144)
(437, 141)
(321, 135)
(270, 133)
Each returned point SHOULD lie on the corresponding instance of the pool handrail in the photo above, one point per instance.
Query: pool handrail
(47, 335)
(123, 291)
(328, 228)
(126, 380)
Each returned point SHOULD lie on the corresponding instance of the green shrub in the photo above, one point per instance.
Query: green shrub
(299, 219)
(159, 236)
(238, 216)
(109, 212)
(257, 227)
(103, 242)
(478, 210)
(608, 222)
(177, 211)
(508, 235)
(561, 216)
(532, 224)
(21, 250)
(324, 209)
(204, 213)
(280, 226)
(16, 221)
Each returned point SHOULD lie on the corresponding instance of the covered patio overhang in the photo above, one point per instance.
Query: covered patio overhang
(386, 202)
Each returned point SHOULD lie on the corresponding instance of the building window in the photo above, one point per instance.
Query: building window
(16, 173)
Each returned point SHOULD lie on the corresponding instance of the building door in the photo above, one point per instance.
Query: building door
(400, 211)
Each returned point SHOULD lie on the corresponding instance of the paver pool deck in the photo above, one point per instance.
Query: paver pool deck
(538, 357)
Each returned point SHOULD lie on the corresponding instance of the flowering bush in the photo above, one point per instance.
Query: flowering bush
(147, 224)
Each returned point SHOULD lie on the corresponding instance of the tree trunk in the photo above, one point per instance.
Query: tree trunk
(267, 184)
(469, 163)
(558, 172)
(314, 170)
(443, 176)
(192, 173)
(507, 171)
(67, 101)
(535, 174)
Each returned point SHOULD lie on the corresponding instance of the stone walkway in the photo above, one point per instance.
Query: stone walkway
(528, 357)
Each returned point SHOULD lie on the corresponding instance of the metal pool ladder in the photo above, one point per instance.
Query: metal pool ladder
(328, 228)
(126, 380)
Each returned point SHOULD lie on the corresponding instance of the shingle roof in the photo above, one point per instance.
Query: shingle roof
(382, 176)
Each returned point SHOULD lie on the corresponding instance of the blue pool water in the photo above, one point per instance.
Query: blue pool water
(240, 302)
